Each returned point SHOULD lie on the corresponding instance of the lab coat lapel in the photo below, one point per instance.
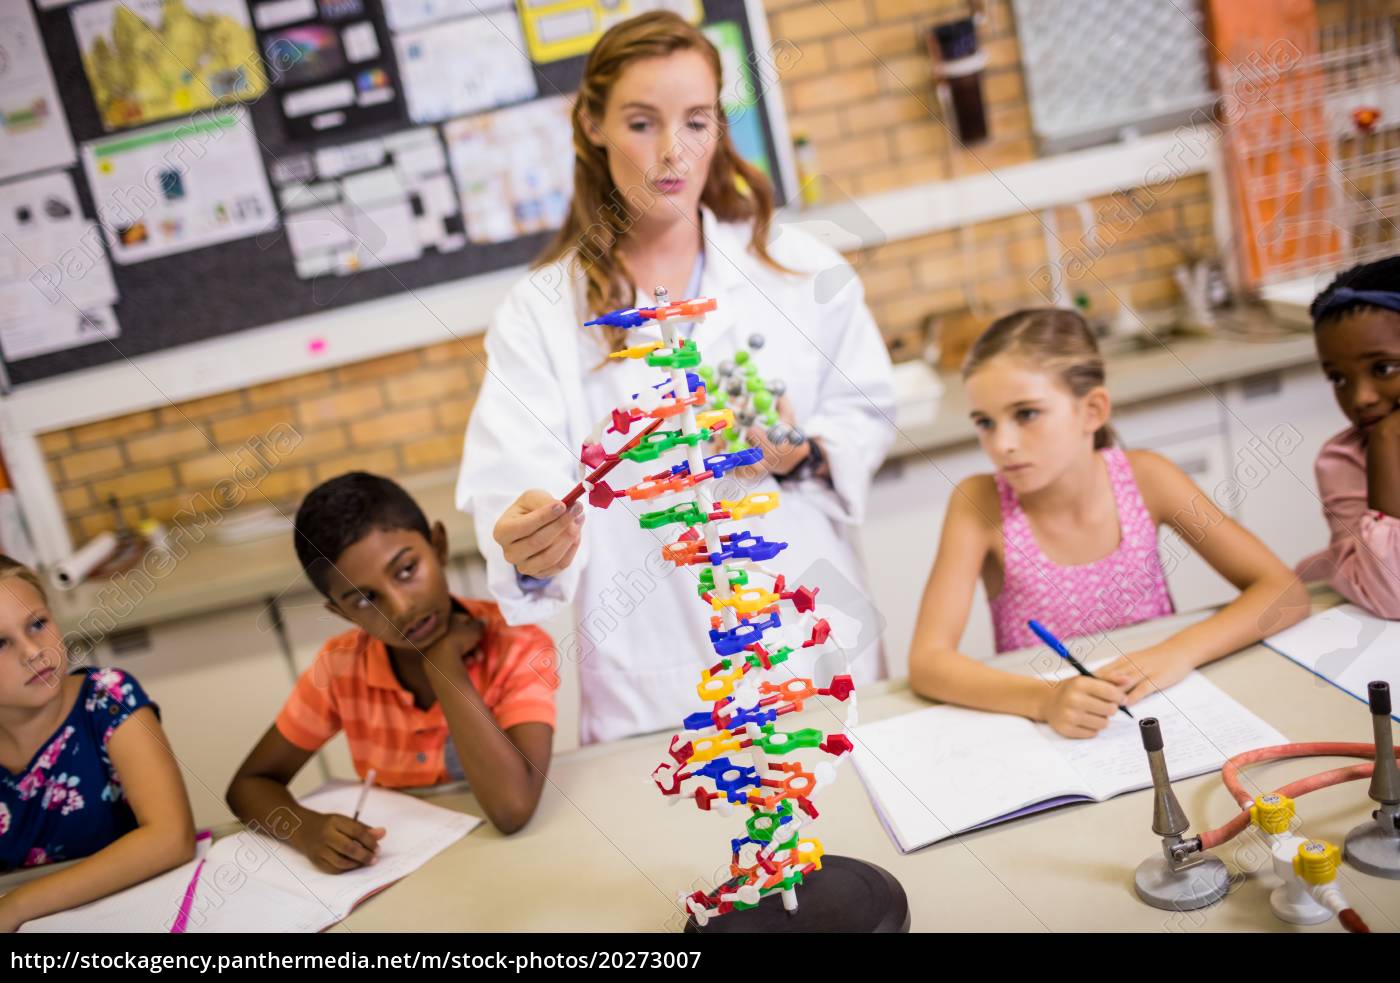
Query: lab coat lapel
(723, 280)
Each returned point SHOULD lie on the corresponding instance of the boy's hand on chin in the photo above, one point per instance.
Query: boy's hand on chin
(463, 634)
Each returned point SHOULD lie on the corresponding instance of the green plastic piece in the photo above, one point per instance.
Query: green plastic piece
(718, 399)
(782, 743)
(741, 358)
(737, 578)
(707, 372)
(688, 514)
(656, 444)
(732, 434)
(687, 356)
(770, 418)
(763, 401)
(761, 834)
(774, 658)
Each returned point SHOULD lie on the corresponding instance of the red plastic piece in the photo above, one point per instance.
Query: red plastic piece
(821, 631)
(836, 744)
(840, 688)
(593, 455)
(601, 496)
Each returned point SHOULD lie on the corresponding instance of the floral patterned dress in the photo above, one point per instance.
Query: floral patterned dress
(68, 801)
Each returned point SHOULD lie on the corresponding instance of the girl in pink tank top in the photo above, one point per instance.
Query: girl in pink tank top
(1065, 532)
(1122, 588)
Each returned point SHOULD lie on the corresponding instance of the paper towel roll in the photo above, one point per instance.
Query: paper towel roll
(74, 570)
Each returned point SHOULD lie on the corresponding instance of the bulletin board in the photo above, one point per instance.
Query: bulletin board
(205, 217)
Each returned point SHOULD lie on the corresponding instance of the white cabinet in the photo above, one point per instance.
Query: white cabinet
(1277, 422)
(219, 680)
(1189, 431)
(904, 519)
(308, 625)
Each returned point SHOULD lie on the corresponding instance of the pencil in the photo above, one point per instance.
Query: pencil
(364, 792)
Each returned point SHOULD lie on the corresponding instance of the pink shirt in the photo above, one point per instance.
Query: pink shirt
(1122, 588)
(1363, 561)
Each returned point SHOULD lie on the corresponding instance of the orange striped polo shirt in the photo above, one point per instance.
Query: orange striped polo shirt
(352, 686)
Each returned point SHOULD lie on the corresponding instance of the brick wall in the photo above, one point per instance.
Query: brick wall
(860, 91)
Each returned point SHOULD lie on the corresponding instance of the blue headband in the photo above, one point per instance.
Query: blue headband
(1345, 297)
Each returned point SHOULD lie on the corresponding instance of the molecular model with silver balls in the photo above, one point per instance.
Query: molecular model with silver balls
(737, 385)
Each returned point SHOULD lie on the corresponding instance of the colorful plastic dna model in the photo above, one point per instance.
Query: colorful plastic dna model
(733, 754)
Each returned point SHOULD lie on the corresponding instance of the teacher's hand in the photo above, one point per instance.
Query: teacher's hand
(539, 534)
(780, 459)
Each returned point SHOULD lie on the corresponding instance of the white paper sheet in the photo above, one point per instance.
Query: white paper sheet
(255, 884)
(464, 66)
(56, 287)
(179, 186)
(1348, 647)
(33, 128)
(380, 202)
(151, 906)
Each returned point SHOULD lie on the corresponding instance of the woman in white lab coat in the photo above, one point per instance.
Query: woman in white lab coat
(662, 198)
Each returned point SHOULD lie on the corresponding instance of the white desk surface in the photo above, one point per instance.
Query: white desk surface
(606, 853)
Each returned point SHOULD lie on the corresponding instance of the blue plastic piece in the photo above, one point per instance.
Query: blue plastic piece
(721, 464)
(745, 546)
(755, 715)
(733, 641)
(700, 720)
(691, 379)
(733, 787)
(629, 317)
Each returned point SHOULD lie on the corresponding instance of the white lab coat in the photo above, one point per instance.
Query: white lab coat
(640, 636)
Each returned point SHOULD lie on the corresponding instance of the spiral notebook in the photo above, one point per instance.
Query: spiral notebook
(946, 770)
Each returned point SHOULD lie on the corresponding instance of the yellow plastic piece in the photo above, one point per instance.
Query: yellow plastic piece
(709, 748)
(810, 851)
(1273, 813)
(1317, 862)
(718, 686)
(756, 504)
(708, 419)
(636, 351)
(745, 600)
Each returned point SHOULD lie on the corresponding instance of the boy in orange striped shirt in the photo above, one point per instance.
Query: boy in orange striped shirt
(427, 687)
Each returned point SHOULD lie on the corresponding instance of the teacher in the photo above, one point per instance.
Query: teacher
(661, 197)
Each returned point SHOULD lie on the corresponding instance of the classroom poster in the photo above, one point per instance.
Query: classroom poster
(33, 130)
(368, 204)
(328, 64)
(558, 29)
(56, 288)
(456, 67)
(514, 168)
(741, 94)
(148, 60)
(405, 14)
(179, 186)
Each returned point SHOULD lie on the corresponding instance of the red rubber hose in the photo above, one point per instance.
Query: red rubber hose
(1231, 777)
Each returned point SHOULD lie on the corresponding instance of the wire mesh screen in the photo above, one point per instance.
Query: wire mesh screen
(1095, 68)
(1313, 140)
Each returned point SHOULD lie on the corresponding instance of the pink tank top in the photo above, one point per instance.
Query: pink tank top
(1123, 588)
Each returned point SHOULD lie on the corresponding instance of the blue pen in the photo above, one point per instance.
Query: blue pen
(1049, 638)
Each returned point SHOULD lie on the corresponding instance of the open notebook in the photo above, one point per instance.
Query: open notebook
(253, 883)
(944, 770)
(1346, 646)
